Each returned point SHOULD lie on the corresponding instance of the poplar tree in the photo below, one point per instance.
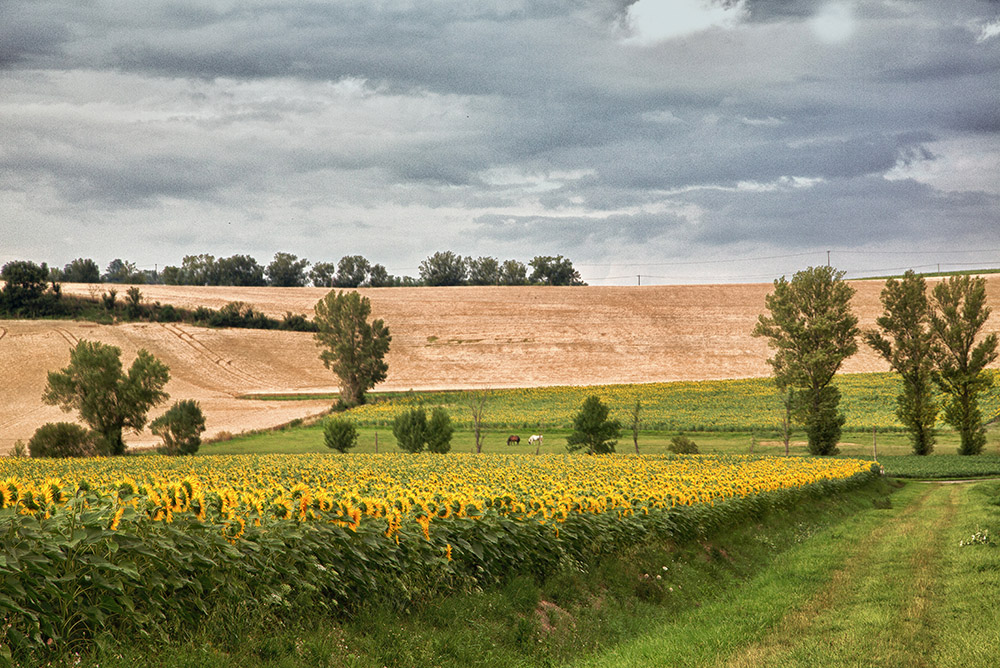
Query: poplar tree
(812, 329)
(960, 312)
(905, 340)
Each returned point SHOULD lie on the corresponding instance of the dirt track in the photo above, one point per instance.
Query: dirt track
(442, 338)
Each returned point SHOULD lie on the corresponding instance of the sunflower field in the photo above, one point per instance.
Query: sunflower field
(148, 546)
(748, 404)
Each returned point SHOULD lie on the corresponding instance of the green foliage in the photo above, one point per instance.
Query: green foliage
(410, 430)
(682, 445)
(353, 348)
(122, 271)
(548, 270)
(108, 299)
(443, 268)
(812, 330)
(63, 439)
(107, 399)
(81, 270)
(439, 431)
(513, 272)
(907, 343)
(20, 449)
(340, 434)
(286, 271)
(180, 428)
(483, 271)
(24, 288)
(960, 314)
(593, 430)
(323, 274)
(351, 271)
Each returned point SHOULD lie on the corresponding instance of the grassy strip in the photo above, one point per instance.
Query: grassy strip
(966, 620)
(941, 466)
(580, 607)
(747, 615)
(916, 590)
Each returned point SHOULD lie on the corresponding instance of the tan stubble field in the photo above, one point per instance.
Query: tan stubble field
(461, 337)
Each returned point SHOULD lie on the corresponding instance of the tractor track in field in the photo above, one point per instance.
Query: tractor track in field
(207, 353)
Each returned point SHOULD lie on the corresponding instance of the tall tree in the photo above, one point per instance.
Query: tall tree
(960, 312)
(106, 398)
(812, 330)
(287, 271)
(548, 270)
(81, 270)
(443, 268)
(483, 271)
(123, 271)
(905, 340)
(513, 272)
(354, 349)
(352, 271)
(378, 277)
(24, 287)
(241, 270)
(323, 274)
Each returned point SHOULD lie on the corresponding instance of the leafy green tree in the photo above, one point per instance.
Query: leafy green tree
(812, 330)
(354, 349)
(513, 272)
(340, 434)
(443, 268)
(287, 271)
(180, 428)
(110, 401)
(410, 430)
(960, 312)
(199, 269)
(483, 271)
(548, 270)
(241, 270)
(439, 431)
(81, 270)
(122, 271)
(379, 277)
(593, 430)
(63, 439)
(905, 340)
(323, 274)
(352, 271)
(133, 303)
(24, 287)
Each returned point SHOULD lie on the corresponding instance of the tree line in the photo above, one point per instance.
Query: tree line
(288, 270)
(932, 340)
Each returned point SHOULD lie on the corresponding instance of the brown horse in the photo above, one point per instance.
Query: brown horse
(516, 440)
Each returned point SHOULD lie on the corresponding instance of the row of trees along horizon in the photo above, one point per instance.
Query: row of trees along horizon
(443, 268)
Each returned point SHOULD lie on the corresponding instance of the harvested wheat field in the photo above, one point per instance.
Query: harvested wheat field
(462, 337)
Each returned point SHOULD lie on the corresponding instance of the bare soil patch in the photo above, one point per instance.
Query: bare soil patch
(461, 337)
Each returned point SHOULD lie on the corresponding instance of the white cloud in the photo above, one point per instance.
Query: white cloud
(655, 21)
(987, 30)
(834, 23)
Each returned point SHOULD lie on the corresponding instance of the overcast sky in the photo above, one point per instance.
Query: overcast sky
(680, 140)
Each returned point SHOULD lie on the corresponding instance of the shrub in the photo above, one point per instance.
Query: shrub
(410, 429)
(340, 434)
(439, 431)
(108, 299)
(133, 303)
(682, 445)
(20, 449)
(63, 439)
(180, 428)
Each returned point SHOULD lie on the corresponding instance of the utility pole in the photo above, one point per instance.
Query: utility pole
(638, 278)
(828, 258)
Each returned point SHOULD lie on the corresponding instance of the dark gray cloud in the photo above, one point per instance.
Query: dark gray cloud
(602, 130)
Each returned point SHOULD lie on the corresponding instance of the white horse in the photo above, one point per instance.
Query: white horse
(535, 439)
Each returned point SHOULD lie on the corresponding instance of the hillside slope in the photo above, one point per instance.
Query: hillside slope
(458, 337)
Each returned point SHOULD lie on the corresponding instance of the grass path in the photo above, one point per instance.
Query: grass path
(891, 588)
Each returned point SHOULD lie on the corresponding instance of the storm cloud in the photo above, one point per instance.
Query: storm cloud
(631, 137)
